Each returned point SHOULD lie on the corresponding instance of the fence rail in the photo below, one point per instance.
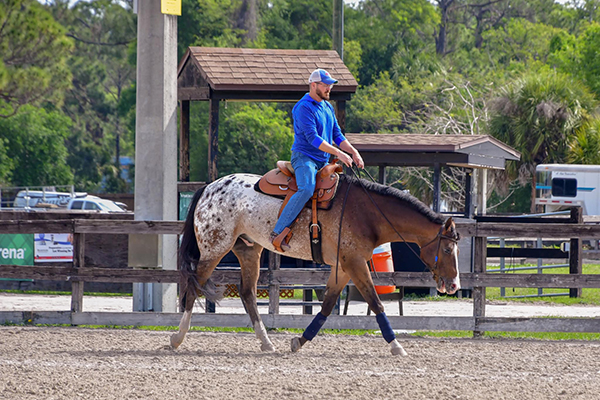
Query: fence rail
(78, 274)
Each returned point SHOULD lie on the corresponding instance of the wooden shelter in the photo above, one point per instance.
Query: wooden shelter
(467, 151)
(216, 74)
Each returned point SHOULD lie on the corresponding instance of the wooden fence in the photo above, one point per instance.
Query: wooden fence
(78, 274)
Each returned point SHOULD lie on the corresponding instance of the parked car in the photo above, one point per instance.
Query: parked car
(40, 198)
(94, 203)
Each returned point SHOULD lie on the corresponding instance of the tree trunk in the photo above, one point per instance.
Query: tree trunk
(247, 20)
(440, 40)
(533, 207)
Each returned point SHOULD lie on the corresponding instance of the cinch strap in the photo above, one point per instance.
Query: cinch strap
(386, 328)
(315, 326)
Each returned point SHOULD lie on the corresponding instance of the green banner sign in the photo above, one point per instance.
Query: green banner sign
(16, 249)
(185, 198)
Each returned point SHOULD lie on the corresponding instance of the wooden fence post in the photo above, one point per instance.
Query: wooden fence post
(78, 262)
(479, 266)
(575, 252)
(274, 264)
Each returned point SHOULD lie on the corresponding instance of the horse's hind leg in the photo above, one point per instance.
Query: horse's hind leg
(195, 282)
(334, 287)
(249, 258)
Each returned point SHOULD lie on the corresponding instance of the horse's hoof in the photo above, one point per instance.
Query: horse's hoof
(397, 349)
(296, 345)
(267, 347)
(174, 342)
(399, 352)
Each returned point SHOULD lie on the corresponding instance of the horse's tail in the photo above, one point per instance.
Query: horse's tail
(189, 255)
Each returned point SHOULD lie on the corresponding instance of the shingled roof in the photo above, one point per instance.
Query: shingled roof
(261, 74)
(478, 151)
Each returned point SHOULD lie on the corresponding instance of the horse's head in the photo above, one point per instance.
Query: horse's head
(441, 256)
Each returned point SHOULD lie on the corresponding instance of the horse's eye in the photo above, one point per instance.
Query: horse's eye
(447, 250)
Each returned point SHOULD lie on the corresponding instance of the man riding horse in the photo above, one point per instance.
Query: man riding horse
(315, 129)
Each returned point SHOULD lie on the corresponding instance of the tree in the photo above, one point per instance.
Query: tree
(212, 23)
(537, 115)
(584, 147)
(104, 32)
(375, 108)
(300, 24)
(33, 56)
(385, 27)
(35, 141)
(252, 139)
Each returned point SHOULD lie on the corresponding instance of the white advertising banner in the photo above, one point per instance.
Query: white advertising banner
(53, 247)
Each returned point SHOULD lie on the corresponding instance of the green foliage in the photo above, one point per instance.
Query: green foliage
(384, 27)
(104, 32)
(298, 24)
(516, 201)
(538, 113)
(35, 142)
(375, 108)
(252, 139)
(207, 23)
(33, 56)
(584, 147)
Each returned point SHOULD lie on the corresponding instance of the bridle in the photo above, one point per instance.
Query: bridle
(439, 238)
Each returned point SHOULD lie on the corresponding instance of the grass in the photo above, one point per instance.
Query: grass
(588, 297)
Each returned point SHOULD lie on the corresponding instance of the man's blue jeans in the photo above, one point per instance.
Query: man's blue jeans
(305, 169)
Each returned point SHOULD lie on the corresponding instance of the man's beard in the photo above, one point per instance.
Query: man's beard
(322, 94)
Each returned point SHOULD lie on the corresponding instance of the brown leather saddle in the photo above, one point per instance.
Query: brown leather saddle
(281, 182)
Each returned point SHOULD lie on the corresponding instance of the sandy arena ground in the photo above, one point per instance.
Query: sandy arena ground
(70, 363)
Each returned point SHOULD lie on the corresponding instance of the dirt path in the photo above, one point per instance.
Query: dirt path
(68, 363)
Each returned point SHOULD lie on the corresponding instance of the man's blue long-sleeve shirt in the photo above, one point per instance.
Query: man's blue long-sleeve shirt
(315, 123)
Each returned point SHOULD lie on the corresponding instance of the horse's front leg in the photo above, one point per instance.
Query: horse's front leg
(332, 292)
(249, 258)
(361, 276)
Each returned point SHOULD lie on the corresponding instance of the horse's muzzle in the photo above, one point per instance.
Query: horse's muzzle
(450, 287)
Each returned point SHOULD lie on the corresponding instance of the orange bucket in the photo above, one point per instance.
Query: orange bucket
(382, 262)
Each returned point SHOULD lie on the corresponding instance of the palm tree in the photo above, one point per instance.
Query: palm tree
(538, 115)
(584, 147)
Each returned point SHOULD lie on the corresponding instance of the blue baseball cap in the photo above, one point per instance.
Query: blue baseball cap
(320, 75)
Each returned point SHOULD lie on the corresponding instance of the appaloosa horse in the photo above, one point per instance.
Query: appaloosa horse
(229, 214)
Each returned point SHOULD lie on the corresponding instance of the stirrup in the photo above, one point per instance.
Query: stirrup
(280, 242)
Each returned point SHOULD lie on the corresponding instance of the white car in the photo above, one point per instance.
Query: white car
(31, 198)
(94, 203)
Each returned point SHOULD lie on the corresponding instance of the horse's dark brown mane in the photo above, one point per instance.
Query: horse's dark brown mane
(388, 191)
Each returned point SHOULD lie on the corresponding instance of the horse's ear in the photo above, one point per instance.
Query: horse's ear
(449, 224)
(450, 228)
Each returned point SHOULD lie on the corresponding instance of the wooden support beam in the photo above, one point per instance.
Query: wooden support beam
(274, 264)
(78, 265)
(184, 141)
(213, 141)
(479, 266)
(575, 251)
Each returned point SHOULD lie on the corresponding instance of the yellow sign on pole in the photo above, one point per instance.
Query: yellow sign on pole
(172, 7)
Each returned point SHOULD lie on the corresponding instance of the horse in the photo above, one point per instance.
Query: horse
(229, 214)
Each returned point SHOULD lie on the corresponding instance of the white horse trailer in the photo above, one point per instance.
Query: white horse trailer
(560, 186)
